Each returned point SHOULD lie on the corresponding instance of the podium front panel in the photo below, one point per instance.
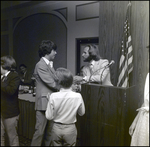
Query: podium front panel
(105, 111)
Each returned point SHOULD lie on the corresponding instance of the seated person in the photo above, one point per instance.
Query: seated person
(27, 83)
(25, 75)
(97, 71)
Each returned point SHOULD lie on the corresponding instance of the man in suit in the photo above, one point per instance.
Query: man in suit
(96, 71)
(9, 100)
(44, 74)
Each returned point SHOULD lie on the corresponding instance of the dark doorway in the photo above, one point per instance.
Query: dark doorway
(80, 43)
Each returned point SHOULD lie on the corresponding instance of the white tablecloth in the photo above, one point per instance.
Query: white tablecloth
(27, 97)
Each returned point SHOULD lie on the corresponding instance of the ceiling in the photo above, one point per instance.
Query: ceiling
(15, 4)
(7, 4)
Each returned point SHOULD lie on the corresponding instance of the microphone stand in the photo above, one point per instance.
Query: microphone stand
(96, 71)
(104, 69)
(102, 74)
(112, 62)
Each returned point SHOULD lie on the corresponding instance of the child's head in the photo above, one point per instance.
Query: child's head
(65, 77)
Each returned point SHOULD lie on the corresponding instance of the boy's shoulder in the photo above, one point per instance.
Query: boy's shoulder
(75, 94)
(69, 92)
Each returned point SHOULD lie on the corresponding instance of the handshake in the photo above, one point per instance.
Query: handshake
(81, 79)
(77, 81)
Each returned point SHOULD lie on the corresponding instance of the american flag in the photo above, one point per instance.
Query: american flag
(126, 59)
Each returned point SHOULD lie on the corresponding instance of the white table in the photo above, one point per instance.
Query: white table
(27, 97)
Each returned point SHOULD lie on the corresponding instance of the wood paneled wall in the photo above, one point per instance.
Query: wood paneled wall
(140, 40)
(111, 21)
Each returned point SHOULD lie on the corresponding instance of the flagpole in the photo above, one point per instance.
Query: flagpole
(129, 4)
(129, 18)
(127, 15)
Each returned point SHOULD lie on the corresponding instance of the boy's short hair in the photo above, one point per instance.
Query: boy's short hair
(65, 77)
(8, 63)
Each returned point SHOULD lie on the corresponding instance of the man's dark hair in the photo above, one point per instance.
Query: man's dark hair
(22, 65)
(94, 52)
(46, 47)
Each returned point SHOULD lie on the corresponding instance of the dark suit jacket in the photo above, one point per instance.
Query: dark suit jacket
(9, 95)
(44, 76)
(27, 79)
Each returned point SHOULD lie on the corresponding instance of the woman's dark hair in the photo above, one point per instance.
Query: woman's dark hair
(46, 47)
(65, 77)
(8, 63)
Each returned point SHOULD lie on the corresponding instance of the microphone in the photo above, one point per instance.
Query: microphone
(111, 62)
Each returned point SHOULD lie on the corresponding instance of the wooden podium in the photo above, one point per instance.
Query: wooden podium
(107, 115)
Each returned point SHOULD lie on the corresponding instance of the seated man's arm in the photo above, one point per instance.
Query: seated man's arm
(100, 73)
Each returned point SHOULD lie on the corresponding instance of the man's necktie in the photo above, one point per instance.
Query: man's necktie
(52, 70)
(51, 64)
(51, 67)
(91, 68)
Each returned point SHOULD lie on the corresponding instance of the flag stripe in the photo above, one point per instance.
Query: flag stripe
(130, 69)
(125, 83)
(122, 59)
(130, 60)
(121, 71)
(130, 49)
(122, 74)
(129, 39)
(123, 79)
